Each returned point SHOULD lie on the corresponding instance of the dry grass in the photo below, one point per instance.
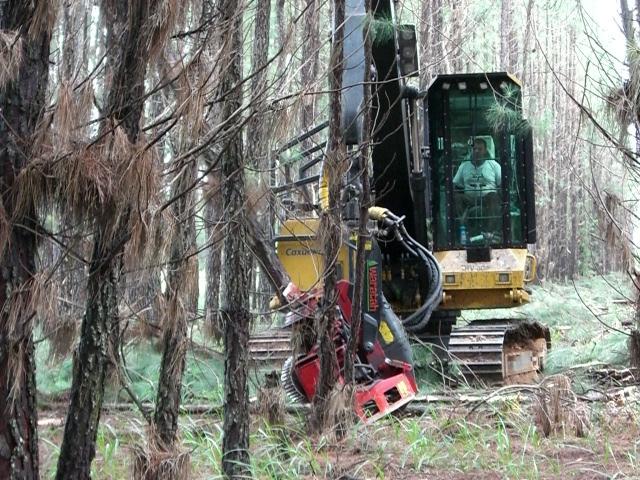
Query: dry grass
(340, 414)
(174, 308)
(151, 234)
(151, 463)
(95, 182)
(18, 308)
(10, 55)
(58, 328)
(271, 403)
(71, 114)
(303, 337)
(191, 99)
(44, 298)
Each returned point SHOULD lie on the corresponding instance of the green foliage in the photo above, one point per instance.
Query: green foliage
(53, 379)
(202, 379)
(205, 446)
(382, 29)
(582, 317)
(505, 441)
(438, 442)
(277, 452)
(109, 454)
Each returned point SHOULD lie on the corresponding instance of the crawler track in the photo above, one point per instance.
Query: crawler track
(269, 348)
(499, 351)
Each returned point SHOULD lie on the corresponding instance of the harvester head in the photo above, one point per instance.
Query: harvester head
(383, 373)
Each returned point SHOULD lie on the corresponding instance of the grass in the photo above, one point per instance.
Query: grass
(446, 441)
(578, 338)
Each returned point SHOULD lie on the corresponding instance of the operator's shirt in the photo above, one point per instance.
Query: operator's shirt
(480, 180)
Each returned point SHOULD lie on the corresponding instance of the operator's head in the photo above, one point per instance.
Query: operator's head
(479, 150)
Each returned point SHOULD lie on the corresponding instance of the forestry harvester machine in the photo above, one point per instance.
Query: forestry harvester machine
(435, 249)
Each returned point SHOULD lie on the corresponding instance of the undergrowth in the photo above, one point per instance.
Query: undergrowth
(583, 317)
(445, 441)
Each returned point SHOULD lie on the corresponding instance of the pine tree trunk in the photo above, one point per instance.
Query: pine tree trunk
(18, 422)
(282, 36)
(182, 298)
(213, 222)
(330, 228)
(22, 103)
(235, 270)
(431, 39)
(456, 40)
(99, 325)
(526, 42)
(256, 127)
(129, 42)
(363, 219)
(508, 40)
(309, 68)
(257, 139)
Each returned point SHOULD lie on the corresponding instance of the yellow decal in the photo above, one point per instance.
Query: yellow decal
(402, 389)
(368, 245)
(385, 332)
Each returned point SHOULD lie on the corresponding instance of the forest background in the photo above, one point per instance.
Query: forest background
(122, 184)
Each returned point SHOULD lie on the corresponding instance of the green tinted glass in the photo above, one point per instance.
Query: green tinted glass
(478, 186)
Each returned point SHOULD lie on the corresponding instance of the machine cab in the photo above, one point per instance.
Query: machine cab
(480, 163)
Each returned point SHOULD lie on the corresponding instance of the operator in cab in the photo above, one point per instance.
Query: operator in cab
(477, 183)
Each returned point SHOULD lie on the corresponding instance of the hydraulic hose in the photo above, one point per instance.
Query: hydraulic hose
(415, 322)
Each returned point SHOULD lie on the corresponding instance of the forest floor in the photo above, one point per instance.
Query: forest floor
(593, 427)
(446, 442)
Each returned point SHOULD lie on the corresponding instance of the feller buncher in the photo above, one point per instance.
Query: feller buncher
(439, 245)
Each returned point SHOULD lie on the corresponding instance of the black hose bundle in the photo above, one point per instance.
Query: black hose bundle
(417, 321)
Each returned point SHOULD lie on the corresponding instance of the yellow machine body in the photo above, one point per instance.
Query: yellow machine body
(301, 254)
(498, 283)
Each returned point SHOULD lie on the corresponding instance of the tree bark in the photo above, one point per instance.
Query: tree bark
(330, 228)
(256, 127)
(431, 40)
(508, 40)
(282, 36)
(182, 297)
(99, 325)
(257, 138)
(22, 103)
(129, 41)
(309, 68)
(235, 271)
(526, 42)
(213, 222)
(456, 41)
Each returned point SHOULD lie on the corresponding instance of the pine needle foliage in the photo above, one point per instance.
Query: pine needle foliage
(504, 114)
(382, 29)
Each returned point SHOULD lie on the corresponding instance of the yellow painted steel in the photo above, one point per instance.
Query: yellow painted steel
(498, 283)
(302, 256)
